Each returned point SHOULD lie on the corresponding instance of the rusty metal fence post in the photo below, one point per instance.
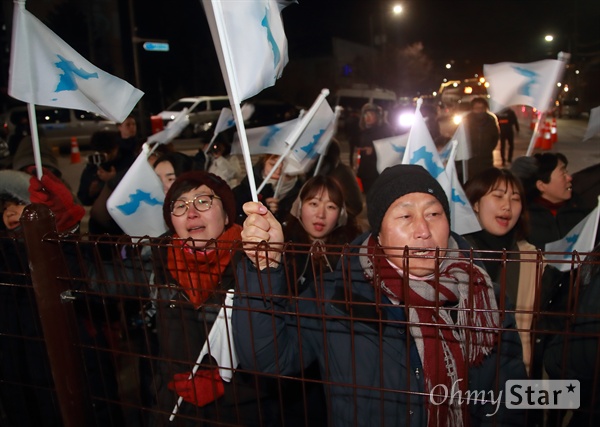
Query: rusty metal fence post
(46, 265)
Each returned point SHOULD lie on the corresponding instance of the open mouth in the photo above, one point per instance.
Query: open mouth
(319, 226)
(199, 228)
(421, 253)
(503, 220)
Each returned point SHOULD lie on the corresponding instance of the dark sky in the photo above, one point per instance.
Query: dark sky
(475, 30)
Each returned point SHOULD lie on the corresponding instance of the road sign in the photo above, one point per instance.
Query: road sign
(156, 46)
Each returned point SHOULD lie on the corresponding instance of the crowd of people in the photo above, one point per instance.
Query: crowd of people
(372, 315)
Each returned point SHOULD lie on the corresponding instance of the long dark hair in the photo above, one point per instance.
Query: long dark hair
(488, 180)
(293, 229)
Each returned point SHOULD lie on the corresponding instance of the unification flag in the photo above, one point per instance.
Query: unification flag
(226, 119)
(593, 127)
(266, 139)
(136, 204)
(390, 151)
(463, 218)
(421, 150)
(250, 42)
(581, 238)
(312, 141)
(45, 70)
(532, 84)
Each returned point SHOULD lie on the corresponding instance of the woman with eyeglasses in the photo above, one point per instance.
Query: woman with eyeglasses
(193, 272)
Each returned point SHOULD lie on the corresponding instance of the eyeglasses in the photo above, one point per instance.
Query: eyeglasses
(201, 203)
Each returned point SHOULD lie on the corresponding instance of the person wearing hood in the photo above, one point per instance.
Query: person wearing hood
(372, 127)
(386, 331)
(318, 215)
(483, 133)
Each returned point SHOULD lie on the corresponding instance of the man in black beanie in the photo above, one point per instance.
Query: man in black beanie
(387, 321)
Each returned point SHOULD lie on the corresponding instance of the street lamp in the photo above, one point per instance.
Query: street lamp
(549, 38)
(397, 9)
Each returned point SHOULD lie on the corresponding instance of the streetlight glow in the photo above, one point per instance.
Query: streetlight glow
(397, 9)
(448, 66)
(549, 38)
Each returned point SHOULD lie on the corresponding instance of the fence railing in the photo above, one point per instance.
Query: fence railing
(94, 328)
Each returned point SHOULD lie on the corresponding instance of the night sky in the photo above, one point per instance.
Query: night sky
(466, 33)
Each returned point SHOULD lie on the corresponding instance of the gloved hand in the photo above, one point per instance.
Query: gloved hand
(205, 387)
(52, 192)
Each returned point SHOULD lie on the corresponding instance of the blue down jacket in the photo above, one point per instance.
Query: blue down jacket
(368, 360)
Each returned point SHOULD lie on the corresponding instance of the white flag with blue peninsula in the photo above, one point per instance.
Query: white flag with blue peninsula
(581, 238)
(249, 35)
(463, 219)
(532, 84)
(421, 150)
(136, 203)
(44, 70)
(390, 151)
(266, 139)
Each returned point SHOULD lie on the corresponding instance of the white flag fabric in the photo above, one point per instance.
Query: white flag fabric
(226, 119)
(45, 70)
(312, 141)
(532, 84)
(390, 151)
(581, 238)
(463, 148)
(220, 341)
(249, 35)
(136, 204)
(266, 139)
(463, 218)
(173, 129)
(421, 150)
(593, 127)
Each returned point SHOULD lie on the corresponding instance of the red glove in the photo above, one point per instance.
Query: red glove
(205, 387)
(52, 192)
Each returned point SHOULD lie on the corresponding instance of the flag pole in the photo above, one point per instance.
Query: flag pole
(336, 115)
(406, 152)
(295, 134)
(35, 140)
(224, 54)
(535, 133)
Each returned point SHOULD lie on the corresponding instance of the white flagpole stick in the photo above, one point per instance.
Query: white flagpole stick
(406, 152)
(336, 115)
(452, 155)
(295, 134)
(222, 47)
(278, 186)
(35, 140)
(535, 133)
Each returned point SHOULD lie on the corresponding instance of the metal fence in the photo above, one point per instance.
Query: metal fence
(93, 332)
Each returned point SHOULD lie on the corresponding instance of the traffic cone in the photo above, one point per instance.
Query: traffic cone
(534, 120)
(547, 136)
(553, 131)
(75, 154)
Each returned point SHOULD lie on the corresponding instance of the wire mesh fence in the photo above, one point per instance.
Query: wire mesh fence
(112, 331)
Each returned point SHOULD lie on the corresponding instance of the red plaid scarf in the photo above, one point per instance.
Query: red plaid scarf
(445, 352)
(199, 271)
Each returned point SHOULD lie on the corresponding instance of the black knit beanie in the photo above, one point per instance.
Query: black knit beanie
(395, 182)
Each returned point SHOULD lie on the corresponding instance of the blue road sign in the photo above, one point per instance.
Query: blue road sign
(156, 46)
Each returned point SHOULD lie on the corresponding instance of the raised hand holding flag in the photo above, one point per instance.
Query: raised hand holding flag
(251, 46)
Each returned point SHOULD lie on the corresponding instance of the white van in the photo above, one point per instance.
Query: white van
(203, 114)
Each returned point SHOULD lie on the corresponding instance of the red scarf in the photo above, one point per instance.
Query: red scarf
(199, 271)
(445, 352)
